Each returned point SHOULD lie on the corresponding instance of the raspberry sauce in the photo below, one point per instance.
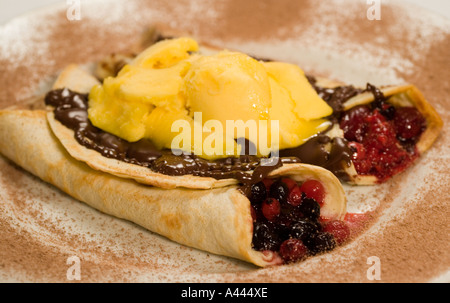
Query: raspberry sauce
(286, 219)
(383, 139)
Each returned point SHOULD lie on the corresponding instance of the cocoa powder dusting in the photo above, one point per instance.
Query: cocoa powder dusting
(40, 227)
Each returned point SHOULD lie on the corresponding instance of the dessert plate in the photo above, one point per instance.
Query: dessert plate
(47, 236)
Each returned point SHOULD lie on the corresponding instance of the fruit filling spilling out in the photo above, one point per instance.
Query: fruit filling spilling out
(383, 138)
(286, 219)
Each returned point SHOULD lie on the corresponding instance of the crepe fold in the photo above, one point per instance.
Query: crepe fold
(77, 79)
(215, 220)
(406, 95)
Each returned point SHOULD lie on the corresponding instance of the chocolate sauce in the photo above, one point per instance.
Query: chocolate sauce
(378, 95)
(314, 152)
(380, 102)
(335, 97)
(70, 108)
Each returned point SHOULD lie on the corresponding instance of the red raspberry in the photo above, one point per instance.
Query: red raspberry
(268, 183)
(289, 182)
(353, 123)
(339, 229)
(314, 189)
(409, 122)
(293, 250)
(295, 196)
(377, 136)
(360, 150)
(271, 209)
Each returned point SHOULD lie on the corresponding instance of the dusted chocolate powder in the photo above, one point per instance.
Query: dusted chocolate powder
(411, 217)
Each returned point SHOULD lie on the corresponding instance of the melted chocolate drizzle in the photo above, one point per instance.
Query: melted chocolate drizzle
(314, 152)
(70, 108)
(335, 97)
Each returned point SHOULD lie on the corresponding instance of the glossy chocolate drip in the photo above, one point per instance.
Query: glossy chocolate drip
(315, 152)
(321, 150)
(380, 102)
(70, 109)
(335, 97)
(378, 95)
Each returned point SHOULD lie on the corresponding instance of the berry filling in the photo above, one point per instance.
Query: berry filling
(339, 229)
(383, 138)
(286, 219)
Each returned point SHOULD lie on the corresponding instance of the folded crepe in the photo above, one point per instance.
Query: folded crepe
(215, 220)
(205, 213)
(210, 214)
(78, 80)
(396, 96)
(330, 149)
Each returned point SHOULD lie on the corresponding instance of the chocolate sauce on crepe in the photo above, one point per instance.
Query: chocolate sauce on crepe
(70, 108)
(314, 152)
(335, 97)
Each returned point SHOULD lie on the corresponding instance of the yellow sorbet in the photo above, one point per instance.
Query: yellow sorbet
(170, 81)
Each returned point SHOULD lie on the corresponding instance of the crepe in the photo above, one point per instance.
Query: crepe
(216, 220)
(406, 95)
(77, 79)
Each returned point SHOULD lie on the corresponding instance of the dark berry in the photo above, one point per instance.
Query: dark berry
(258, 193)
(295, 196)
(388, 111)
(283, 228)
(310, 209)
(303, 229)
(353, 123)
(291, 212)
(320, 242)
(279, 190)
(339, 229)
(314, 189)
(289, 182)
(268, 183)
(376, 139)
(293, 250)
(408, 122)
(289, 215)
(265, 237)
(271, 209)
(258, 212)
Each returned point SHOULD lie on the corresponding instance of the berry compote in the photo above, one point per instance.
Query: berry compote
(383, 138)
(286, 219)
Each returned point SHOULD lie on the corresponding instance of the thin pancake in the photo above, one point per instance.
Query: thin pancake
(76, 79)
(217, 220)
(401, 96)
